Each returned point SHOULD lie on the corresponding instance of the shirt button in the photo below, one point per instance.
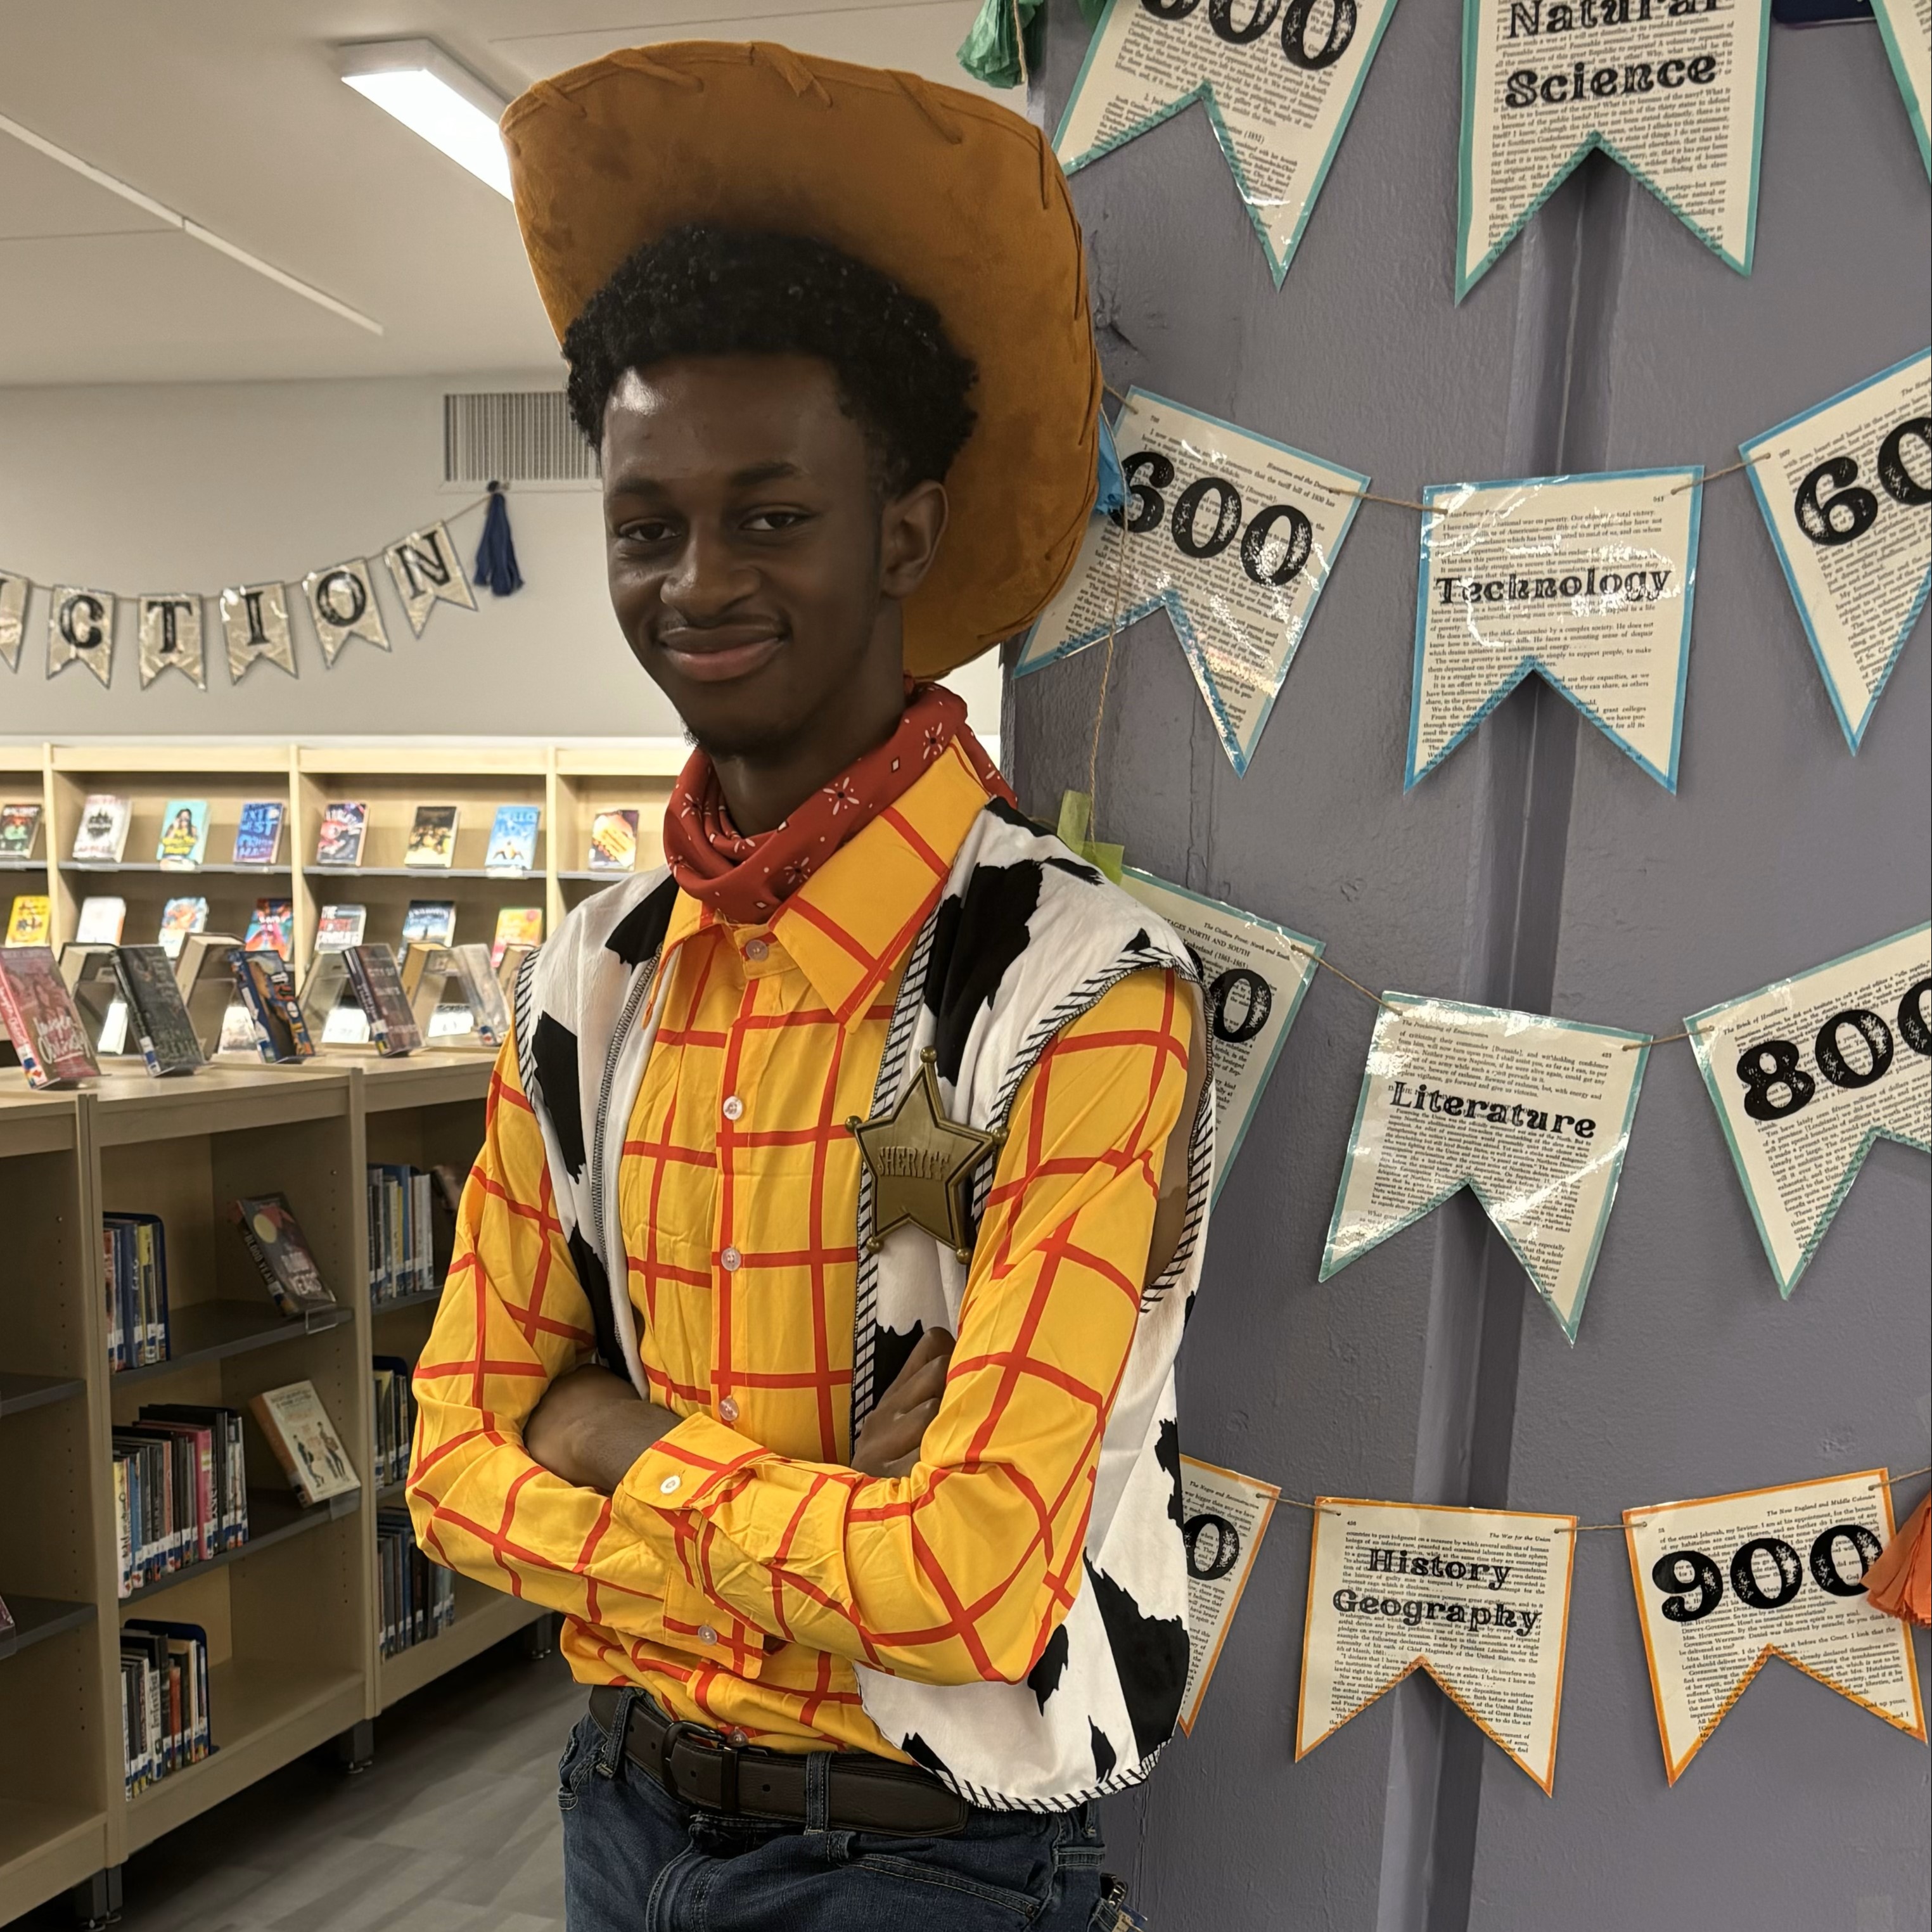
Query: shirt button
(737, 1737)
(729, 1261)
(727, 1409)
(734, 1108)
(669, 1485)
(706, 1634)
(756, 949)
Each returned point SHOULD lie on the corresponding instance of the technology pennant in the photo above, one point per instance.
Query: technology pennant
(1279, 85)
(1585, 580)
(1232, 534)
(1726, 1582)
(1844, 487)
(1807, 1072)
(1532, 1115)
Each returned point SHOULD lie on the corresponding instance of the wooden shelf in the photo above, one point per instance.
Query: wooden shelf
(36, 1619)
(212, 1331)
(160, 872)
(273, 1516)
(45, 1848)
(474, 1631)
(23, 1392)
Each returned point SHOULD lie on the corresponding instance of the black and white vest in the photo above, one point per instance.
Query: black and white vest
(1025, 939)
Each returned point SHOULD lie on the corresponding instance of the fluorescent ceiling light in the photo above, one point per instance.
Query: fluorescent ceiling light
(433, 95)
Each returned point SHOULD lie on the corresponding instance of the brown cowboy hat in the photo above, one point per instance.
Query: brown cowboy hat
(957, 200)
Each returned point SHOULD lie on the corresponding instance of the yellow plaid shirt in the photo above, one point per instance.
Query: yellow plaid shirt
(742, 1567)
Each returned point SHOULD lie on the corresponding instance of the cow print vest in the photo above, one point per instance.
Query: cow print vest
(1025, 939)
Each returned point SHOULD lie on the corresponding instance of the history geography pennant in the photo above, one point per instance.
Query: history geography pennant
(1906, 25)
(1672, 89)
(1233, 534)
(1807, 1072)
(1279, 81)
(1479, 1599)
(1532, 1115)
(1585, 580)
(1725, 1582)
(1844, 487)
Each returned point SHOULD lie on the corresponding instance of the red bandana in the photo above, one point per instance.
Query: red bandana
(743, 879)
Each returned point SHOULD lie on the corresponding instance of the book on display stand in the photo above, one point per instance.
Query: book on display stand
(40, 1020)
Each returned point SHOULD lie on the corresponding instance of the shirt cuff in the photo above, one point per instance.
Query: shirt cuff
(688, 1467)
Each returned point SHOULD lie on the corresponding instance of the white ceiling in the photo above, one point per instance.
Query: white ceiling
(230, 113)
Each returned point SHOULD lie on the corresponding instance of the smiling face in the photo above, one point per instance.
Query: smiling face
(756, 567)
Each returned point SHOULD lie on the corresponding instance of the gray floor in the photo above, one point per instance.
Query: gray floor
(453, 1829)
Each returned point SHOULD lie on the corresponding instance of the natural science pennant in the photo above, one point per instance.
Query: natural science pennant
(1479, 1599)
(80, 630)
(342, 603)
(427, 569)
(1586, 580)
(1532, 1115)
(1672, 89)
(1906, 25)
(255, 622)
(1224, 1517)
(1807, 1072)
(1232, 534)
(169, 635)
(1253, 973)
(1723, 1583)
(1844, 488)
(1279, 81)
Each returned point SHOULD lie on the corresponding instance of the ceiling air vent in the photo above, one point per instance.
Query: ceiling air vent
(515, 436)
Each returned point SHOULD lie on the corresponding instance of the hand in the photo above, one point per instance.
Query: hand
(591, 1426)
(888, 1444)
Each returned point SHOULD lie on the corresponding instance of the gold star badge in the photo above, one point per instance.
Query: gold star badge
(921, 1165)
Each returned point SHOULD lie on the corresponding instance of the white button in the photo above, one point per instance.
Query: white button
(729, 1261)
(734, 1108)
(669, 1485)
(727, 1409)
(706, 1634)
(756, 949)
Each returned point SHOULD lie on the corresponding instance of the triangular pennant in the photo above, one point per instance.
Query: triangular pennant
(1843, 488)
(1673, 90)
(255, 621)
(342, 602)
(12, 618)
(80, 630)
(1807, 1072)
(1233, 534)
(1587, 581)
(169, 635)
(1906, 25)
(1279, 83)
(1723, 1583)
(1479, 1599)
(1532, 1115)
(427, 569)
(1223, 1518)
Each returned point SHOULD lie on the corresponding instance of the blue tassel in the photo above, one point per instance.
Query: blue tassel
(496, 554)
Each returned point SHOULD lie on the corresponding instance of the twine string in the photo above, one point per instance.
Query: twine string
(1019, 48)
(1106, 673)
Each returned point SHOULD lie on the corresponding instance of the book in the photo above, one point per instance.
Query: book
(267, 990)
(134, 1262)
(169, 1662)
(433, 920)
(417, 1596)
(432, 837)
(299, 1430)
(377, 983)
(184, 840)
(345, 824)
(271, 927)
(340, 927)
(402, 1233)
(31, 920)
(179, 917)
(512, 849)
(20, 830)
(490, 1011)
(516, 926)
(393, 1411)
(6, 1619)
(274, 1239)
(157, 1009)
(100, 921)
(40, 1017)
(258, 832)
(101, 837)
(614, 841)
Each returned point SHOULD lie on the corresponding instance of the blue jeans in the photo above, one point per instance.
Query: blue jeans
(636, 1859)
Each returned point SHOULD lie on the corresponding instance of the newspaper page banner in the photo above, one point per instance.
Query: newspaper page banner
(80, 630)
(1725, 1582)
(1857, 558)
(1906, 25)
(1234, 535)
(341, 605)
(1807, 1072)
(1279, 83)
(426, 568)
(1479, 1599)
(1587, 581)
(1673, 90)
(1224, 1517)
(1532, 1115)
(12, 619)
(1255, 974)
(255, 622)
(168, 633)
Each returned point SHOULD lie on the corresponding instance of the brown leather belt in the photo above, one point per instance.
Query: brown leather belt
(699, 1768)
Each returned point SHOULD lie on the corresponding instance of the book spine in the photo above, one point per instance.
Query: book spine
(281, 1296)
(24, 1041)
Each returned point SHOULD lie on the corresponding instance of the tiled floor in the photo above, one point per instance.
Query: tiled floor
(453, 1829)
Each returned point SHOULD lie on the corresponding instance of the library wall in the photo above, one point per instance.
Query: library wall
(1536, 869)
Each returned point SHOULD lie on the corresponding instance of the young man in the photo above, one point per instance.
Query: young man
(873, 1614)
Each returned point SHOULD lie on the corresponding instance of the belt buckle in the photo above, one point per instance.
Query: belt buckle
(708, 1745)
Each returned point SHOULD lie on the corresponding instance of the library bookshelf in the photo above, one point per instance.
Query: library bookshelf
(571, 782)
(291, 1616)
